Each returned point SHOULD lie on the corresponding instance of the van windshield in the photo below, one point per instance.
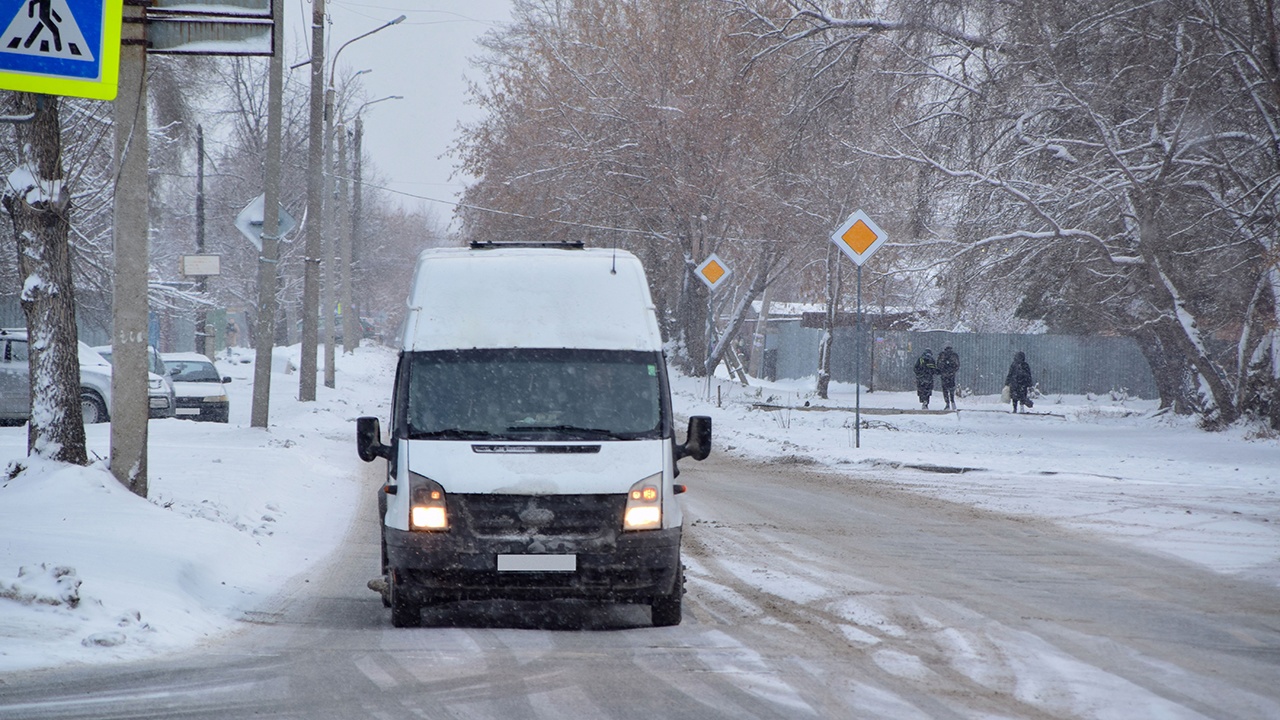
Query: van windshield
(530, 394)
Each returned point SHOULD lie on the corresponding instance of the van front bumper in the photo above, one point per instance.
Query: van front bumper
(446, 566)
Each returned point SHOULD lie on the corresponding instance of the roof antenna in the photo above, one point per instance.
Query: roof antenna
(614, 270)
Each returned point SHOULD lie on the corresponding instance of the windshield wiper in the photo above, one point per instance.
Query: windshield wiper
(592, 433)
(449, 433)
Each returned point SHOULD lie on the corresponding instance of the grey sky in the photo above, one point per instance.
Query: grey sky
(424, 59)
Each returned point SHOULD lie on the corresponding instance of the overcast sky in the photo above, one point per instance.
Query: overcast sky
(424, 59)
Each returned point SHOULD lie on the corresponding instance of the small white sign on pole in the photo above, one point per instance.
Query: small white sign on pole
(200, 265)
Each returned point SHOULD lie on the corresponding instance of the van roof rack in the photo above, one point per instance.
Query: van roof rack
(496, 244)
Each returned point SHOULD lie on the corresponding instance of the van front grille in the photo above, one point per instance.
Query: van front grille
(499, 516)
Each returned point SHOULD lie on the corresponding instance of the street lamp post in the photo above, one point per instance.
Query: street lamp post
(335, 274)
(351, 329)
(315, 205)
(315, 196)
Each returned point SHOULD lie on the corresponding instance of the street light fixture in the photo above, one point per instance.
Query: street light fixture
(333, 64)
(364, 105)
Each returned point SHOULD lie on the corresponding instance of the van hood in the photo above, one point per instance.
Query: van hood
(517, 468)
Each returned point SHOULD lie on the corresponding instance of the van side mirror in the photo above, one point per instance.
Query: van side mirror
(369, 440)
(698, 443)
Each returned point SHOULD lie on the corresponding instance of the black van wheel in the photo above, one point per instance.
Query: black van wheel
(666, 609)
(404, 612)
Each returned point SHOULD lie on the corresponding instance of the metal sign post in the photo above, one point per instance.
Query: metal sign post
(713, 272)
(858, 237)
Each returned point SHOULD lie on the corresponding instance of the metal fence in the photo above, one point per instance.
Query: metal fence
(92, 327)
(168, 330)
(1060, 364)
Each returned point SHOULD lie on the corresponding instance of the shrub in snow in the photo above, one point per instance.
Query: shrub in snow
(42, 585)
(105, 639)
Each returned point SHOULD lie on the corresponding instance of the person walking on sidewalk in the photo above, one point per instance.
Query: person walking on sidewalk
(925, 369)
(1019, 381)
(948, 366)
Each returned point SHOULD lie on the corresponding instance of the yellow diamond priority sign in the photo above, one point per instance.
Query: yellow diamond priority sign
(713, 272)
(858, 237)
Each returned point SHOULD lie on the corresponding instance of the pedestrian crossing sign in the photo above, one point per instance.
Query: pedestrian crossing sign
(61, 47)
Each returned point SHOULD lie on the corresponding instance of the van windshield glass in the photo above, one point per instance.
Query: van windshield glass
(534, 395)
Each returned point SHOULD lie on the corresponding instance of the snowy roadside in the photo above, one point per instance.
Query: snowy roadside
(92, 573)
(1099, 464)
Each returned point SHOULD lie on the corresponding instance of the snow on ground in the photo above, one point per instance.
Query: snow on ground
(90, 573)
(1108, 465)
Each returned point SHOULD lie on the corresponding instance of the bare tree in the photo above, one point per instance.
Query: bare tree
(1111, 167)
(634, 124)
(39, 206)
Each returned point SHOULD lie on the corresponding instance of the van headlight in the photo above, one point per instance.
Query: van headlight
(644, 505)
(155, 383)
(427, 507)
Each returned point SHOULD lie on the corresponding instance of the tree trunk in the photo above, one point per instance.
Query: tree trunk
(693, 314)
(1170, 369)
(834, 281)
(756, 289)
(39, 205)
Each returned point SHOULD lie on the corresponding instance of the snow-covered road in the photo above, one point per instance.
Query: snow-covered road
(810, 595)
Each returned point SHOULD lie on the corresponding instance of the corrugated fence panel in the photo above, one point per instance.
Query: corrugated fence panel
(1060, 364)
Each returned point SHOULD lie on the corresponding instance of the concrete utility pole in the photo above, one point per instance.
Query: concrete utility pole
(353, 280)
(269, 258)
(333, 233)
(315, 211)
(350, 326)
(357, 208)
(208, 347)
(129, 280)
(327, 234)
(759, 335)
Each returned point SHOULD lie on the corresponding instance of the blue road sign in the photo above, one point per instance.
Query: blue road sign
(61, 47)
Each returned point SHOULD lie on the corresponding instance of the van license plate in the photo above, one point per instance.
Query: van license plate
(537, 563)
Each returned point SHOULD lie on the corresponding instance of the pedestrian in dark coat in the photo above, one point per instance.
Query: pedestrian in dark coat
(925, 369)
(1019, 381)
(948, 366)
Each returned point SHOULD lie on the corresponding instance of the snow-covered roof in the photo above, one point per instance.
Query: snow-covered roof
(530, 298)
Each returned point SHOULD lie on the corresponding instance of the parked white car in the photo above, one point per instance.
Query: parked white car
(15, 381)
(198, 386)
(160, 395)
